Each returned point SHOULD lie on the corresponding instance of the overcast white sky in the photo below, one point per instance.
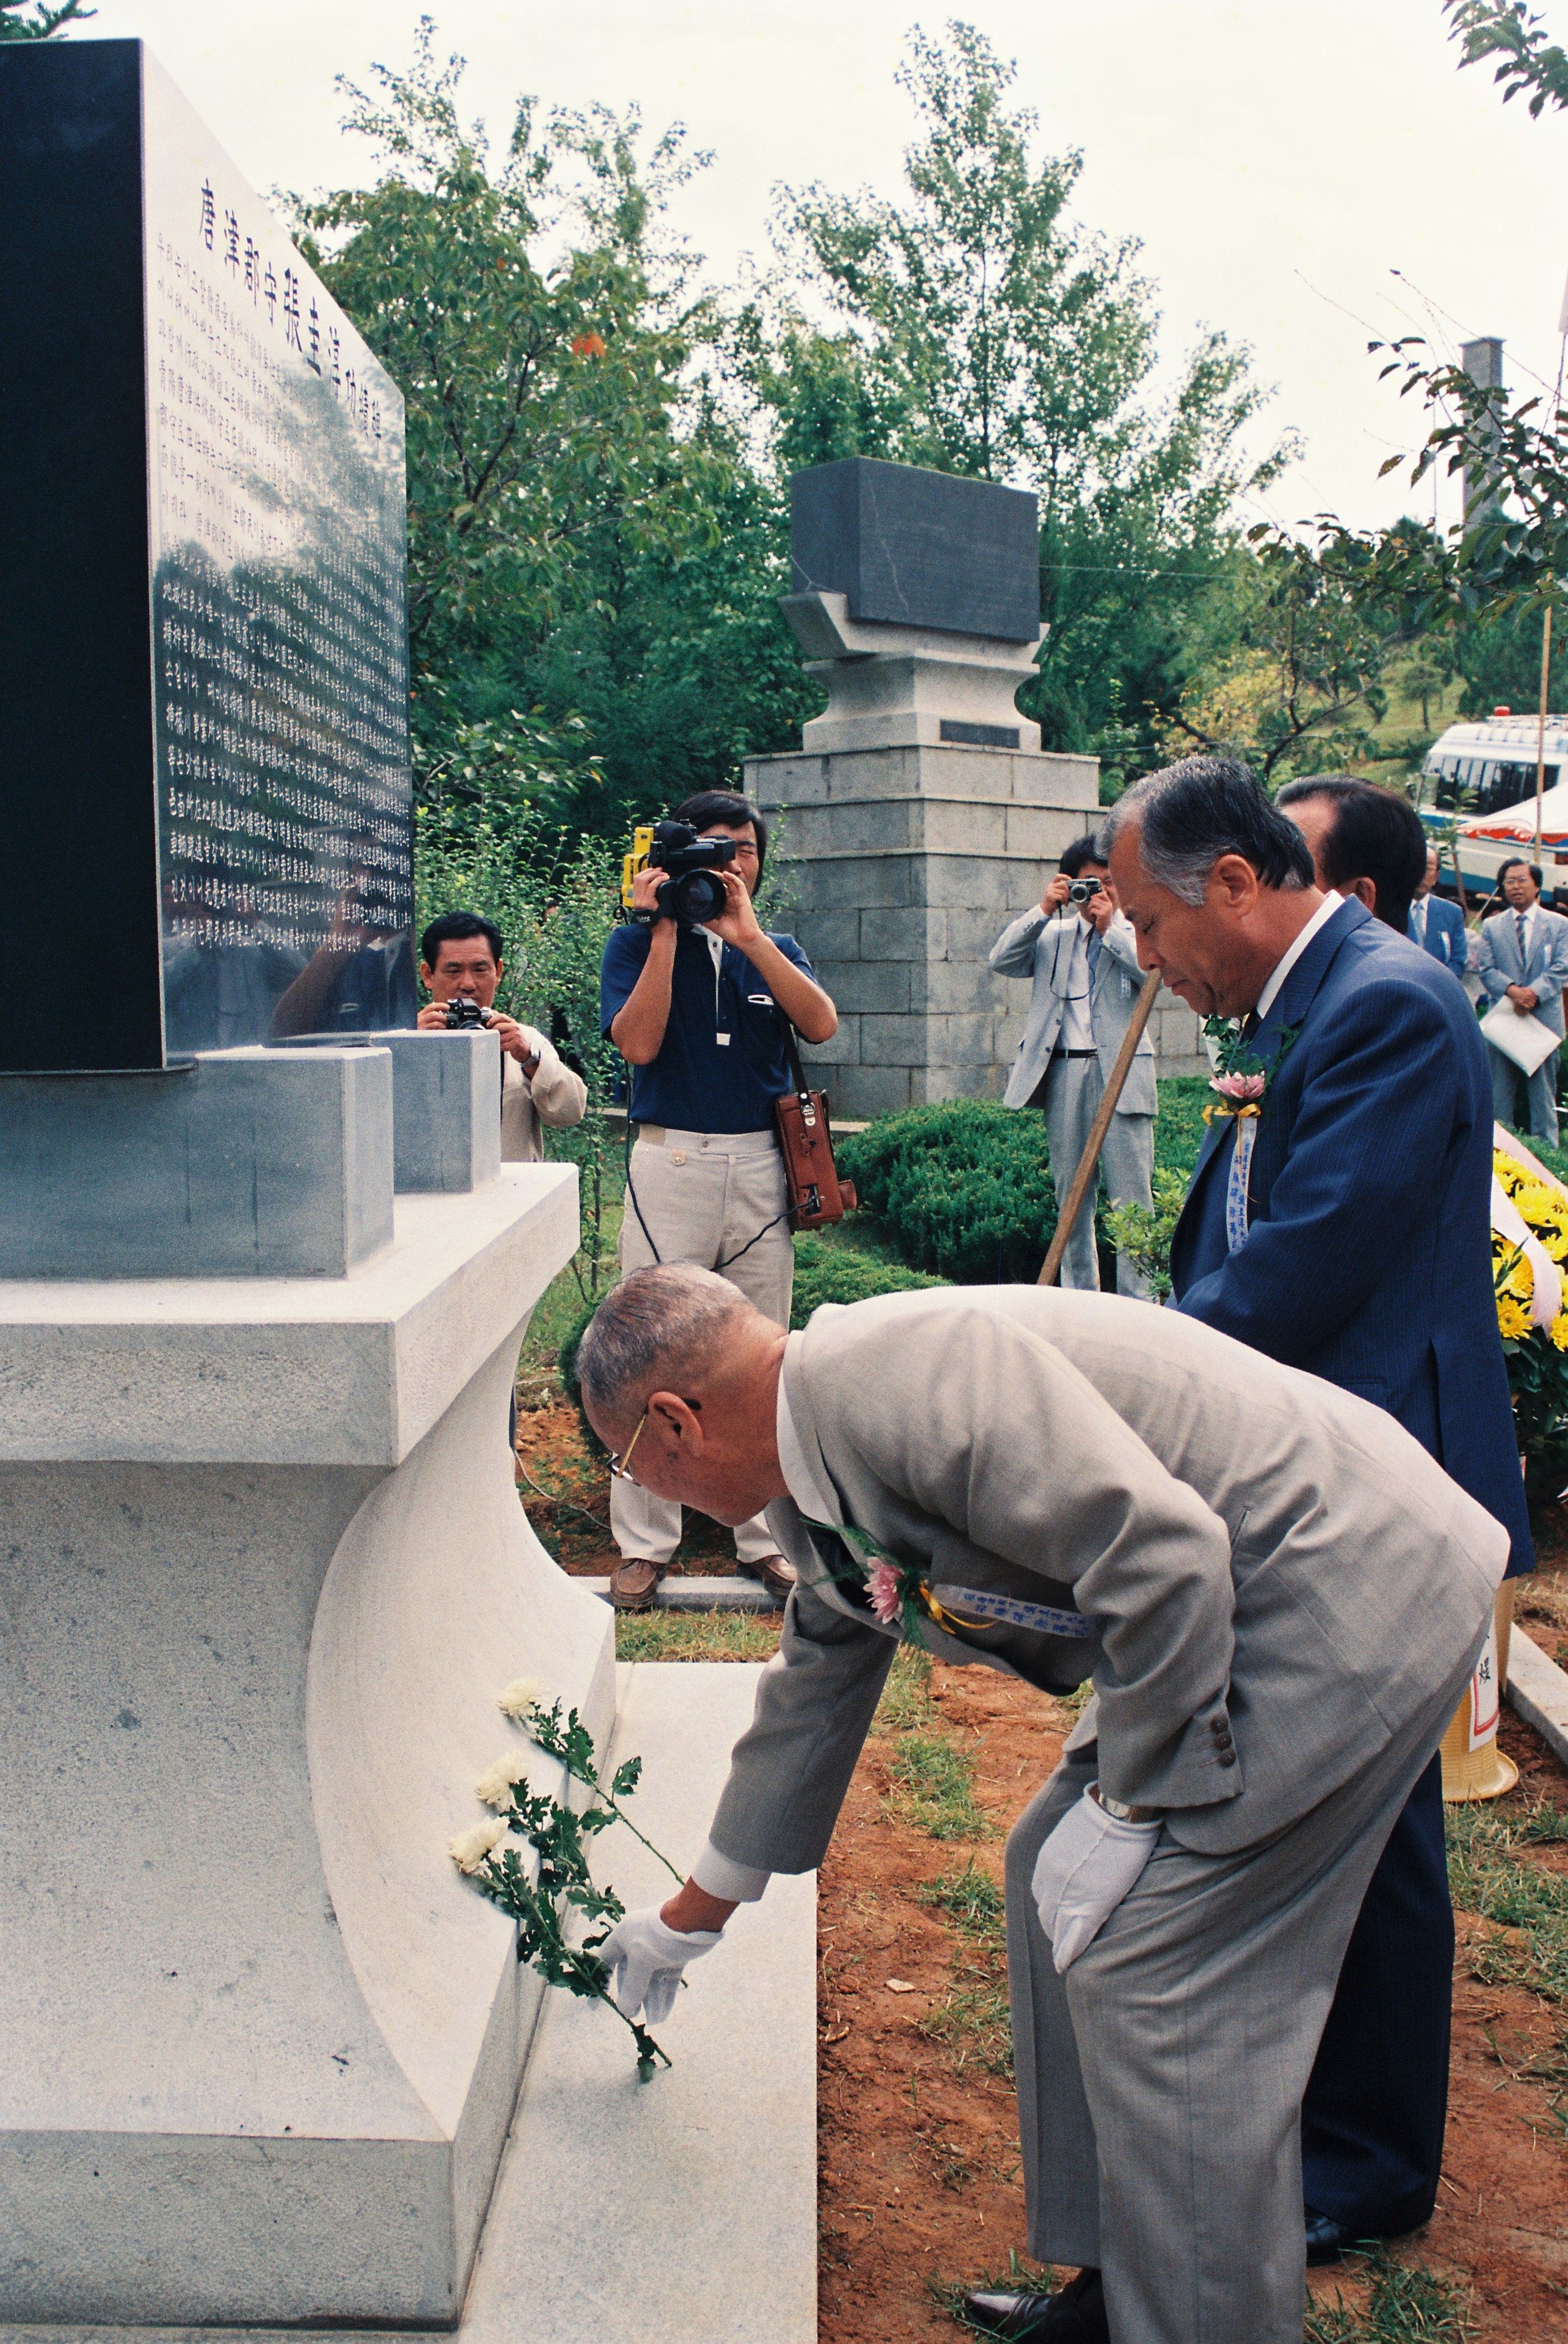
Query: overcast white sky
(1279, 160)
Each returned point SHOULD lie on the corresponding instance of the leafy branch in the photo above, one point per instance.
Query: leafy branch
(45, 21)
(1509, 30)
(572, 1744)
(540, 1907)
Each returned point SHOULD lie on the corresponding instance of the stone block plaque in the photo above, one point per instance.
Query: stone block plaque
(204, 762)
(917, 548)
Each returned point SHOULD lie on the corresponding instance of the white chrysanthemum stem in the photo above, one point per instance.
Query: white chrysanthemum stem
(469, 1848)
(523, 1697)
(496, 1784)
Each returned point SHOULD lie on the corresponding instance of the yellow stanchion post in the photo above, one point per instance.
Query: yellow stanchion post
(1473, 1767)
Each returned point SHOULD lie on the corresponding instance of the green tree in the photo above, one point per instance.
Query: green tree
(36, 20)
(1511, 32)
(593, 561)
(986, 333)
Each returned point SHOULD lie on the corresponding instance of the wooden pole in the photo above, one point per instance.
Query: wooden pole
(1088, 1163)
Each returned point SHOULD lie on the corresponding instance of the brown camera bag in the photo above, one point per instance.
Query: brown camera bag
(816, 1194)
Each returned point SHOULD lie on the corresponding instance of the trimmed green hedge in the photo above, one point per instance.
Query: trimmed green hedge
(830, 1271)
(965, 1186)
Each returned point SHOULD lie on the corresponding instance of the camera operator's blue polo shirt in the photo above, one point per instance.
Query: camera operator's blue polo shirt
(722, 1063)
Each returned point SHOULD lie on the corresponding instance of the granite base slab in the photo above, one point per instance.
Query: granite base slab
(682, 2211)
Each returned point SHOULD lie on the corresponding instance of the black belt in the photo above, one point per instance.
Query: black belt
(1075, 1054)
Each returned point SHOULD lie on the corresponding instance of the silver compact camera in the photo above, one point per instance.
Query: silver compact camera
(1080, 890)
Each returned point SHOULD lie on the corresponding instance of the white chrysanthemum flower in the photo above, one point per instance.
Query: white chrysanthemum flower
(523, 1697)
(469, 1848)
(497, 1784)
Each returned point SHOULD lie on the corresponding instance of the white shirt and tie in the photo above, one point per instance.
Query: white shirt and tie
(1077, 1027)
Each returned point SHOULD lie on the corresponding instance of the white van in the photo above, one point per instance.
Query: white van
(1482, 775)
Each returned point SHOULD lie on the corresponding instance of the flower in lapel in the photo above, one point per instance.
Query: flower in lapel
(1242, 1078)
(881, 1586)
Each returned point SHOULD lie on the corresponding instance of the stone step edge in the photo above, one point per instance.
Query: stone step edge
(701, 1594)
(1538, 1692)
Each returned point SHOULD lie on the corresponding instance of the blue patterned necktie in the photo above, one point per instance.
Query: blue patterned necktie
(1518, 923)
(1094, 956)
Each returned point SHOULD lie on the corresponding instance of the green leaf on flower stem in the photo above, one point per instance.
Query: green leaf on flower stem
(626, 1777)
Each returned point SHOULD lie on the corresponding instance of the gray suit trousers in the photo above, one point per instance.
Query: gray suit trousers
(1161, 2080)
(1070, 1094)
(1540, 1093)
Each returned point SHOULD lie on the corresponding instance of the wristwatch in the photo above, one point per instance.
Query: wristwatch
(1125, 1815)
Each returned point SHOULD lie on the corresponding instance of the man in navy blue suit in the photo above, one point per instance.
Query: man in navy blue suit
(1355, 1243)
(1437, 928)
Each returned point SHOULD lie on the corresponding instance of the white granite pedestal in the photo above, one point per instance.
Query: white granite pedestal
(262, 1574)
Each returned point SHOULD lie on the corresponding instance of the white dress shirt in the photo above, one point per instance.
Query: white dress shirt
(1332, 902)
(1077, 1028)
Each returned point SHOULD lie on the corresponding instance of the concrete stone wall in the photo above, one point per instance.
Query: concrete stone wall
(906, 864)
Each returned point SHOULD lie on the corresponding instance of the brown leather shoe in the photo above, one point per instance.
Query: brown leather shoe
(634, 1585)
(777, 1574)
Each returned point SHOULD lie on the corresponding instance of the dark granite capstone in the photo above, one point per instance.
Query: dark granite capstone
(918, 549)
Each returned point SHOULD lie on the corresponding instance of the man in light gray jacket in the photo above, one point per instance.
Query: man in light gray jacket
(1081, 953)
(1068, 1486)
(1523, 958)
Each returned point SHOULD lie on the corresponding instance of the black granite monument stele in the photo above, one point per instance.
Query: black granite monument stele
(204, 763)
(917, 548)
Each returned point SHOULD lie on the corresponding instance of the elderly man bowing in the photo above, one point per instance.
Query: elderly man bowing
(1064, 1486)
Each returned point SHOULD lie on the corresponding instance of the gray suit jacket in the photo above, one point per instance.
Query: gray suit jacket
(1545, 966)
(1277, 1575)
(1041, 948)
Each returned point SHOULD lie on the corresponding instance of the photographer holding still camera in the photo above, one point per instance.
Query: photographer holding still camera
(1082, 954)
(690, 994)
(461, 967)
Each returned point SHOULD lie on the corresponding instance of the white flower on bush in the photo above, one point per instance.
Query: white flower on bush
(469, 1848)
(497, 1784)
(523, 1697)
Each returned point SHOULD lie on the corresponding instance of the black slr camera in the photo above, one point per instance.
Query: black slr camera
(1080, 890)
(463, 1012)
(694, 892)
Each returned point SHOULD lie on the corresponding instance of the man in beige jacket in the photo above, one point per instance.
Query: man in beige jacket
(1068, 1486)
(460, 959)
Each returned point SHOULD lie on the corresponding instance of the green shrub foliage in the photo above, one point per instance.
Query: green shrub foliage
(829, 1272)
(964, 1185)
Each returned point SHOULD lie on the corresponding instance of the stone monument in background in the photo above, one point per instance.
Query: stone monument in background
(263, 1280)
(921, 814)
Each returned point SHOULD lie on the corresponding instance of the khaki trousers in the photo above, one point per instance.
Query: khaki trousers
(1161, 2080)
(704, 1196)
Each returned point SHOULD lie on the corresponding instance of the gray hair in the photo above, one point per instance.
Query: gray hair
(660, 1327)
(1192, 813)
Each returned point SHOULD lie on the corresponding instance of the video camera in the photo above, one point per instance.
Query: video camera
(694, 892)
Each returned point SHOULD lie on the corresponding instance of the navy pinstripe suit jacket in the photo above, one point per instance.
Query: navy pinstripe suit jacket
(1369, 1255)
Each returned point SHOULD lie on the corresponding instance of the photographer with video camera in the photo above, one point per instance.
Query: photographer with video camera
(461, 967)
(690, 994)
(1082, 954)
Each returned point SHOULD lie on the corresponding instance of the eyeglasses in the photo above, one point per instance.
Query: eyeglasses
(618, 1465)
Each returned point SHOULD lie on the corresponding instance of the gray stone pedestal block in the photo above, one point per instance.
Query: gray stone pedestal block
(446, 1110)
(906, 863)
(266, 1573)
(239, 1164)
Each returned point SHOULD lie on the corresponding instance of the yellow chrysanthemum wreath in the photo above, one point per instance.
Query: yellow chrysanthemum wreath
(1544, 1213)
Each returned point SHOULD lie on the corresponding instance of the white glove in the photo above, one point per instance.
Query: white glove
(1090, 1861)
(647, 1959)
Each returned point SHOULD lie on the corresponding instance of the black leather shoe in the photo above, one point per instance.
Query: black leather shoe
(1074, 2314)
(1329, 2239)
